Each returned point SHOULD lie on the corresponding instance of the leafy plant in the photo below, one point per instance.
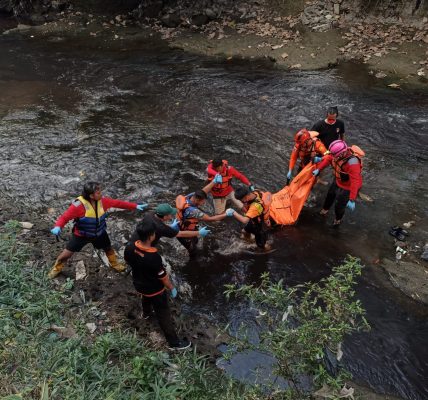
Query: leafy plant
(36, 363)
(306, 323)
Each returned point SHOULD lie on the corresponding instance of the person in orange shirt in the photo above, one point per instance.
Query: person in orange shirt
(307, 148)
(256, 218)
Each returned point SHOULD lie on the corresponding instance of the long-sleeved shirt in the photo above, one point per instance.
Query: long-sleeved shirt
(77, 210)
(353, 168)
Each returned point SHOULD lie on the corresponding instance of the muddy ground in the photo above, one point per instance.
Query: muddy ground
(107, 299)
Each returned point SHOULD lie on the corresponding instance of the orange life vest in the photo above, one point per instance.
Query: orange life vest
(182, 203)
(339, 162)
(265, 200)
(219, 187)
(308, 150)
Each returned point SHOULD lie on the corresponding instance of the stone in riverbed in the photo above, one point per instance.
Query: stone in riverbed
(424, 254)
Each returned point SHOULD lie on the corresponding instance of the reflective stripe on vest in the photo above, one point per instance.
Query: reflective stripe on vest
(93, 224)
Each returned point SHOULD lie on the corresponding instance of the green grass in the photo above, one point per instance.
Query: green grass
(35, 363)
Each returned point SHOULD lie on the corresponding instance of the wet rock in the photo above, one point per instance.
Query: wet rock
(210, 13)
(199, 20)
(171, 20)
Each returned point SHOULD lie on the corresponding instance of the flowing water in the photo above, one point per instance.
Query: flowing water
(145, 120)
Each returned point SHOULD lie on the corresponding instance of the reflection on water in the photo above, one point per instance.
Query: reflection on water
(146, 121)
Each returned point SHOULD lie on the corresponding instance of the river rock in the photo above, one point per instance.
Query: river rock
(336, 8)
(80, 271)
(200, 19)
(424, 254)
(26, 225)
(210, 13)
(171, 20)
(91, 327)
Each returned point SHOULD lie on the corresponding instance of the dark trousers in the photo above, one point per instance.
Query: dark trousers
(159, 304)
(256, 228)
(189, 243)
(341, 196)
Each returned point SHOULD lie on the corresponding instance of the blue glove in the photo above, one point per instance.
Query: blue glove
(315, 172)
(56, 231)
(218, 179)
(173, 293)
(252, 188)
(142, 207)
(289, 174)
(204, 231)
(230, 212)
(175, 224)
(317, 159)
(351, 205)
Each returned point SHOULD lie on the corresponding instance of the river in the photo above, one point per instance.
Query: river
(145, 120)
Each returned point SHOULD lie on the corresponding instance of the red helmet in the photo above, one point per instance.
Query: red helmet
(302, 136)
(337, 147)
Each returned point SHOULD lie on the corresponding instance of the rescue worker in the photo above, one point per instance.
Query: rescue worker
(223, 191)
(152, 282)
(189, 214)
(307, 148)
(256, 218)
(347, 167)
(160, 217)
(330, 128)
(89, 214)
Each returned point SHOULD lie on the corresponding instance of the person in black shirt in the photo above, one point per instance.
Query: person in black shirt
(152, 282)
(163, 214)
(331, 128)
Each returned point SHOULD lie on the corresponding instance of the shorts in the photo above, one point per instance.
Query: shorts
(76, 243)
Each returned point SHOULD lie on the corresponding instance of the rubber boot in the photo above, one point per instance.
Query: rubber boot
(56, 270)
(112, 258)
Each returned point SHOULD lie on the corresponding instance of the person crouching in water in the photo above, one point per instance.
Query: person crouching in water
(347, 167)
(256, 218)
(189, 215)
(306, 148)
(152, 282)
(89, 214)
(223, 190)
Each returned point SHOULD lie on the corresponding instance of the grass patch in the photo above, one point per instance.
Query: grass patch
(36, 363)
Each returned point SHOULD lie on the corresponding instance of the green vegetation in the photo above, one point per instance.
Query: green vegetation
(304, 324)
(36, 363)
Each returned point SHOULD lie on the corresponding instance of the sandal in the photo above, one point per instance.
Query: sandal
(399, 229)
(396, 232)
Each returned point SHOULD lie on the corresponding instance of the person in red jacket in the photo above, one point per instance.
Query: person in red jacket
(89, 214)
(223, 191)
(347, 170)
(307, 148)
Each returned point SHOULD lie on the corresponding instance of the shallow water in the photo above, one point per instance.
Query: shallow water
(145, 120)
